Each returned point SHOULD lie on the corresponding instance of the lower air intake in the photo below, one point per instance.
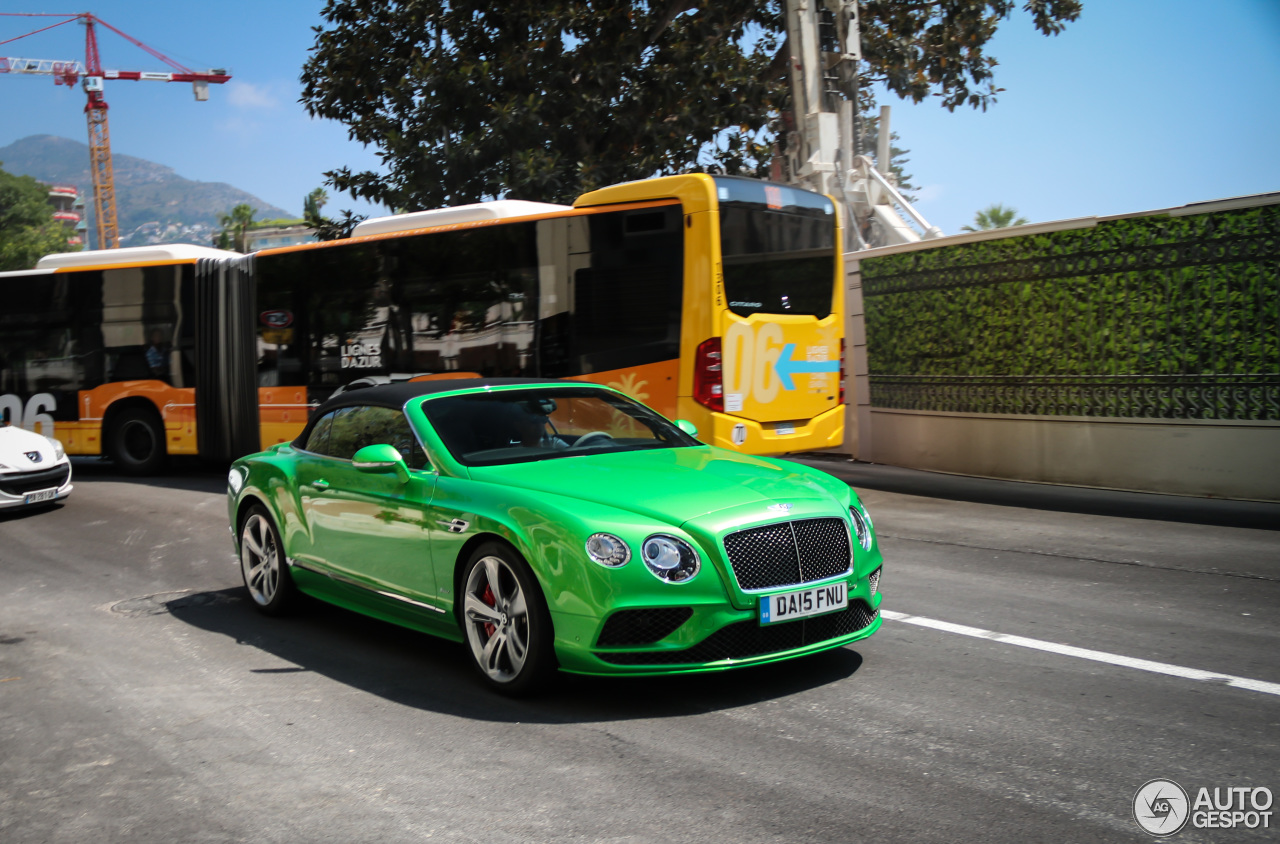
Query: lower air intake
(642, 627)
(745, 639)
(20, 484)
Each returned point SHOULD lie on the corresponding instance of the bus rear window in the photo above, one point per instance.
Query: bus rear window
(778, 246)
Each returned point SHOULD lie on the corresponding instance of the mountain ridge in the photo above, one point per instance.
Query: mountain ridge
(153, 203)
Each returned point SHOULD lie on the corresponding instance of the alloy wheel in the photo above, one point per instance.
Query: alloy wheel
(260, 559)
(497, 619)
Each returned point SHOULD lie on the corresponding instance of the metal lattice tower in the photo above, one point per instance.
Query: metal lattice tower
(91, 76)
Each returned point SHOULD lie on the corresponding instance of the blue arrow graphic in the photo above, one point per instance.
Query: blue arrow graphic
(788, 366)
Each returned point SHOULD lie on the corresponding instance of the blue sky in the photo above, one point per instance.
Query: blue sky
(1140, 104)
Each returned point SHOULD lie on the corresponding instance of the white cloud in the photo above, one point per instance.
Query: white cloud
(929, 193)
(248, 95)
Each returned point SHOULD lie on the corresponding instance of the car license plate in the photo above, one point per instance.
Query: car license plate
(42, 495)
(806, 602)
(785, 429)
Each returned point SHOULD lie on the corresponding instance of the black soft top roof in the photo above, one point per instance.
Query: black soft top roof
(395, 395)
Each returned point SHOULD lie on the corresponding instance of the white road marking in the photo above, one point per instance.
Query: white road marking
(1085, 653)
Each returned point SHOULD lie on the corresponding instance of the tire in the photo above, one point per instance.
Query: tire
(136, 442)
(505, 620)
(262, 564)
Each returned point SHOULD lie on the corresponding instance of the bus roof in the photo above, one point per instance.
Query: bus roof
(165, 252)
(500, 209)
(24, 273)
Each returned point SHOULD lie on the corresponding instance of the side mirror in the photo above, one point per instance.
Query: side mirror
(688, 427)
(381, 459)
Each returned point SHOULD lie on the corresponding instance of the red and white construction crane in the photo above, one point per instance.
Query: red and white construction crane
(91, 75)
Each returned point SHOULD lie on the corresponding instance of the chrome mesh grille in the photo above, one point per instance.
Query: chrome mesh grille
(824, 547)
(787, 553)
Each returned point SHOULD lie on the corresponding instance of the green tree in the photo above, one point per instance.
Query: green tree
(543, 100)
(327, 228)
(312, 204)
(28, 231)
(339, 229)
(235, 226)
(938, 47)
(995, 217)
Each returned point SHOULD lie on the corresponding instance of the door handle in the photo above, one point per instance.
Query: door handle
(320, 484)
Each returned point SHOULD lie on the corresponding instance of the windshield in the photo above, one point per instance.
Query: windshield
(517, 426)
(778, 248)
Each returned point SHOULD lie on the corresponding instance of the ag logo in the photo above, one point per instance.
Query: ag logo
(1161, 807)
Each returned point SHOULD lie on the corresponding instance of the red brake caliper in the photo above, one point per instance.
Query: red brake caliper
(488, 598)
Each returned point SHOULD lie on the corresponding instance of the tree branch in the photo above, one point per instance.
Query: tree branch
(674, 9)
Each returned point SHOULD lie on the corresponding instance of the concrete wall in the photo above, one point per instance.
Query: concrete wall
(1219, 459)
(1208, 459)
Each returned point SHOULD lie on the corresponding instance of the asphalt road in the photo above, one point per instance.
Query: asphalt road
(1046, 657)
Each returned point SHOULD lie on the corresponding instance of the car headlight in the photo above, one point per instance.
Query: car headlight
(608, 550)
(235, 480)
(670, 559)
(862, 527)
(58, 451)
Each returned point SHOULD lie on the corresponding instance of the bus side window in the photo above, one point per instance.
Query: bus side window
(626, 309)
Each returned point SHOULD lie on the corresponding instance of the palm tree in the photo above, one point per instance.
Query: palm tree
(312, 204)
(235, 225)
(995, 217)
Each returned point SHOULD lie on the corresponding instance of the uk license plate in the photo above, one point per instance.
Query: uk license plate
(803, 603)
(42, 495)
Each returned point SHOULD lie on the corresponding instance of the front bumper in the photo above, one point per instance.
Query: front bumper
(713, 637)
(18, 488)
(748, 436)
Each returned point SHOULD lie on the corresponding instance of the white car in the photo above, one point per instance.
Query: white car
(33, 469)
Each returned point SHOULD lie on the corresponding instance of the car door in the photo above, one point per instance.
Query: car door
(312, 468)
(369, 529)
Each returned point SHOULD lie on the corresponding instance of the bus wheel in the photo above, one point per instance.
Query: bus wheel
(136, 442)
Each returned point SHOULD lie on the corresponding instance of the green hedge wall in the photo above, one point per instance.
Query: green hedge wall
(1159, 316)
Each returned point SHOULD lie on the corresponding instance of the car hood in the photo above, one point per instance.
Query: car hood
(17, 443)
(671, 485)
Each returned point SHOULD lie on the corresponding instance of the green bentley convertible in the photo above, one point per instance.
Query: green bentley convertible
(554, 524)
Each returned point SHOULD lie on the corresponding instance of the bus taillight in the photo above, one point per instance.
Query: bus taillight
(841, 370)
(708, 375)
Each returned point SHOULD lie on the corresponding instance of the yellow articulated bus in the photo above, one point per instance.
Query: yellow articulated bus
(714, 299)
